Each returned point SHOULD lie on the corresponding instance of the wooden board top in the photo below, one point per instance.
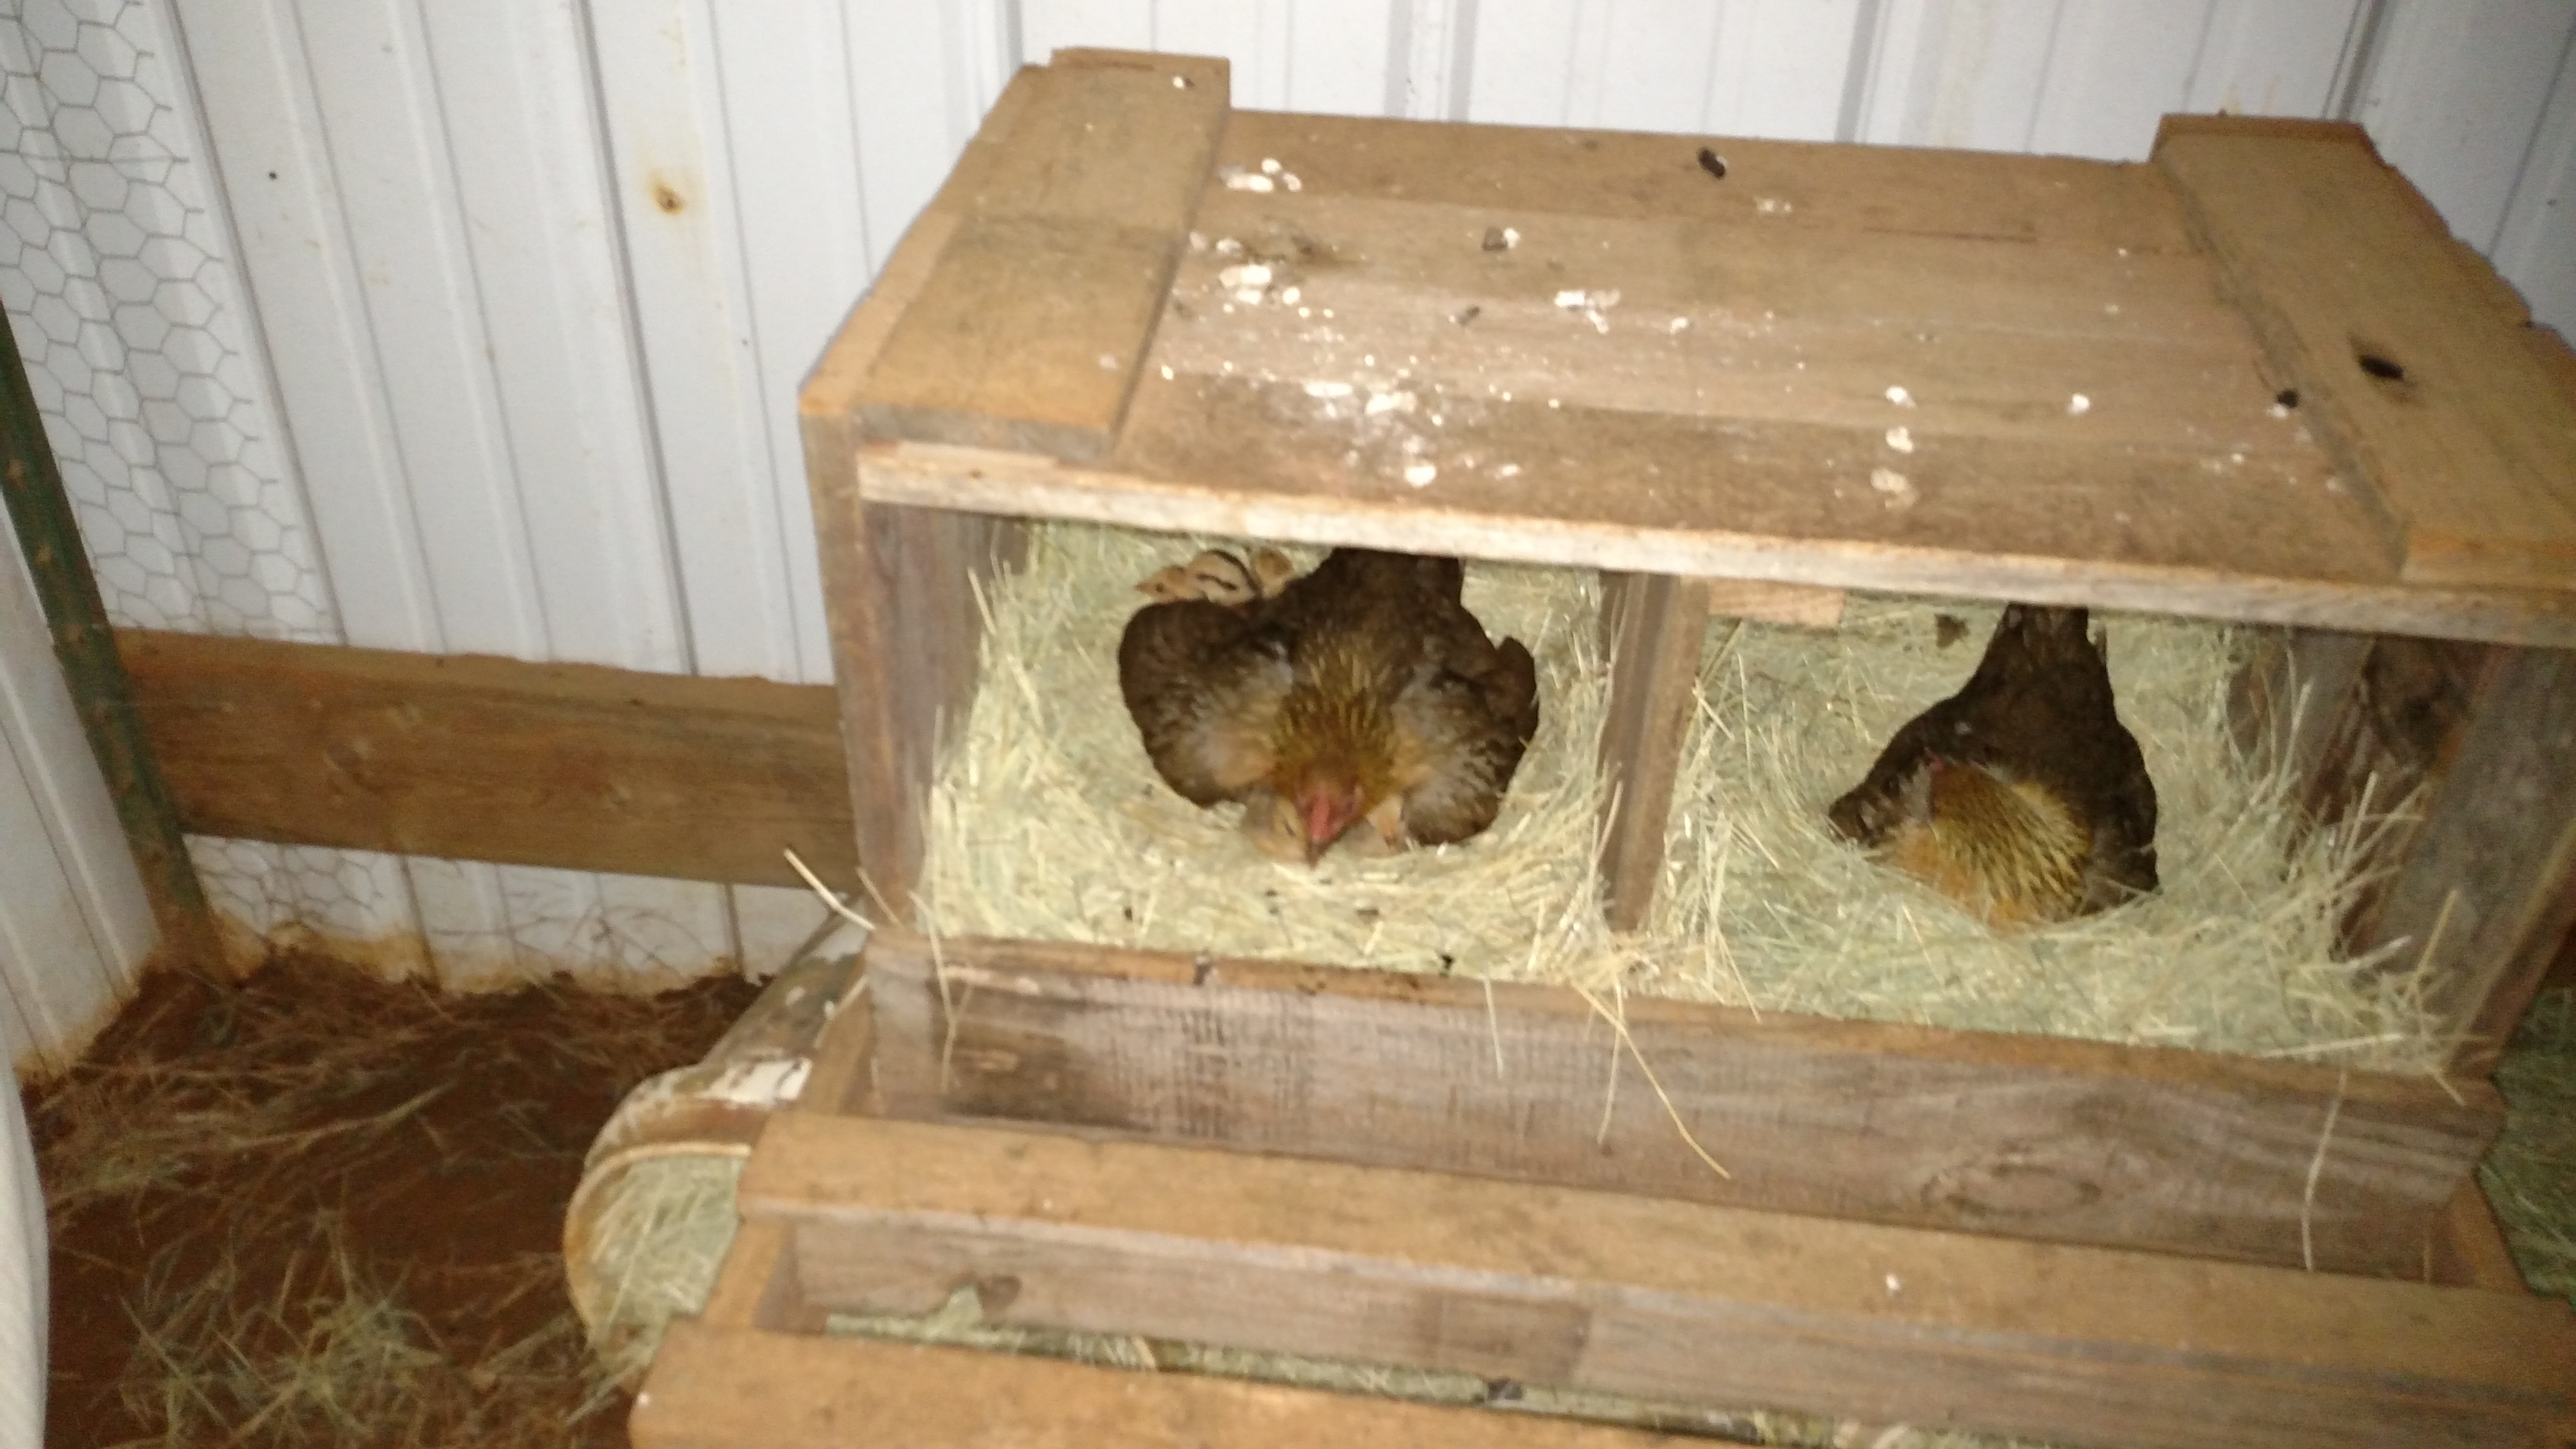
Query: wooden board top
(2410, 354)
(1031, 332)
(1847, 366)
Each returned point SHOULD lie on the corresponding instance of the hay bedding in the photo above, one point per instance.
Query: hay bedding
(322, 1209)
(1049, 823)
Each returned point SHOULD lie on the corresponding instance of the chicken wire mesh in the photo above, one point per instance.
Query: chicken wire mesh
(116, 271)
(126, 296)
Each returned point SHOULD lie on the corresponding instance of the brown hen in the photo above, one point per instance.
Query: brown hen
(1363, 691)
(2022, 797)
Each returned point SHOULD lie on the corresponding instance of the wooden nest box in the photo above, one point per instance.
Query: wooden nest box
(2253, 379)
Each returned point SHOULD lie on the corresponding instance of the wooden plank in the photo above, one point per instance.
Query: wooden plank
(844, 1056)
(1664, 1300)
(1793, 604)
(1991, 338)
(2486, 890)
(714, 1389)
(1033, 329)
(2468, 1249)
(2048, 201)
(904, 634)
(907, 631)
(2040, 1137)
(1653, 625)
(1561, 518)
(1728, 416)
(757, 1285)
(2399, 348)
(2291, 702)
(471, 757)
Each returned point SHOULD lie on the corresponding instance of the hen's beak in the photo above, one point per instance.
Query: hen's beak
(1323, 827)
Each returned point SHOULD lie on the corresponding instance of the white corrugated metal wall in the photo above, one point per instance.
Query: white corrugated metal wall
(475, 325)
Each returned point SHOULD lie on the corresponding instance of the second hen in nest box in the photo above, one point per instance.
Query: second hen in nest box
(2022, 797)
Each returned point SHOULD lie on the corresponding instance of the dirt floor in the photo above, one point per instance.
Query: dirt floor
(324, 1210)
(327, 1210)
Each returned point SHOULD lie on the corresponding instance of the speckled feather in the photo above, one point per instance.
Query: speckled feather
(2022, 796)
(1368, 670)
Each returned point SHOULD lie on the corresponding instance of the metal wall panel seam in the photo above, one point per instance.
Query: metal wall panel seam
(377, 99)
(59, 988)
(279, 519)
(676, 208)
(264, 126)
(524, 148)
(66, 859)
(2454, 99)
(788, 115)
(2536, 245)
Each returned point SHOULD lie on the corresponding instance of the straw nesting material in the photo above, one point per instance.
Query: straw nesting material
(1760, 904)
(1049, 823)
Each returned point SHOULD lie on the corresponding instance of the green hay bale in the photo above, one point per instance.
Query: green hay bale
(2530, 1174)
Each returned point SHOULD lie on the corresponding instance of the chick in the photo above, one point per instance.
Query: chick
(1362, 691)
(1221, 578)
(2022, 797)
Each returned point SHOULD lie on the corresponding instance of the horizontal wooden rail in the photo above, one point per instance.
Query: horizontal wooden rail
(2038, 1137)
(471, 757)
(743, 1388)
(1676, 1302)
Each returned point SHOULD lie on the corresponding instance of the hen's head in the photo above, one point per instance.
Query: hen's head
(1876, 808)
(1333, 761)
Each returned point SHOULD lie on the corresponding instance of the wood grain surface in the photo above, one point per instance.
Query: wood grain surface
(1652, 627)
(2033, 1136)
(1664, 1300)
(2485, 891)
(714, 1388)
(1033, 329)
(2087, 417)
(2397, 338)
(471, 757)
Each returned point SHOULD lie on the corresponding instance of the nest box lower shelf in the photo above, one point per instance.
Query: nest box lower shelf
(1328, 1163)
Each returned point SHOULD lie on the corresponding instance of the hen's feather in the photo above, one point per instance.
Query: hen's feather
(1366, 686)
(2022, 796)
(1204, 683)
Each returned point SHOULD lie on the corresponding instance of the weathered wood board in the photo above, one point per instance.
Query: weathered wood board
(2037, 1137)
(1032, 330)
(471, 757)
(714, 1388)
(1839, 366)
(1658, 1299)
(1652, 627)
(898, 583)
(2486, 890)
(2390, 331)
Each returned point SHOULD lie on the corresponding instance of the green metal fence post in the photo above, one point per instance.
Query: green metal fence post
(49, 537)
